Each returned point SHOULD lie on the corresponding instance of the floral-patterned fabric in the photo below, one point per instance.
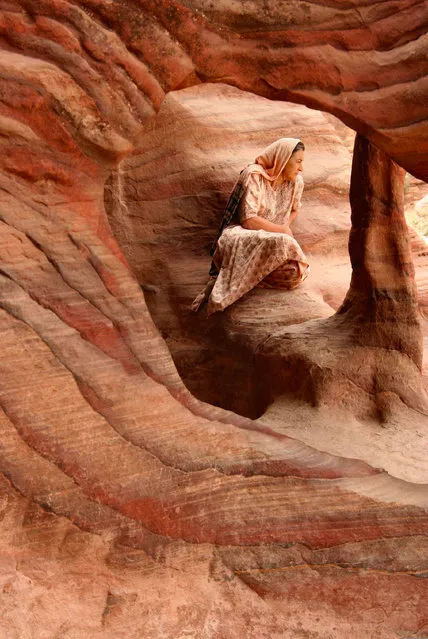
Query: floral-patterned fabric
(246, 258)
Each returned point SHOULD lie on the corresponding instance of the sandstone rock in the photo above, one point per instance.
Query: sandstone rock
(210, 355)
(127, 506)
(172, 196)
(365, 64)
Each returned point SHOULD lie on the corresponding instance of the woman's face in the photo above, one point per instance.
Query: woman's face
(294, 166)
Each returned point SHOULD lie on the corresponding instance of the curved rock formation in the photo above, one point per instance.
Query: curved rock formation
(366, 63)
(172, 194)
(109, 467)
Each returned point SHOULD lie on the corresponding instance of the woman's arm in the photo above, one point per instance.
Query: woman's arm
(293, 215)
(297, 200)
(257, 223)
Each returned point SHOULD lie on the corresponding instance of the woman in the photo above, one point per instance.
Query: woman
(255, 245)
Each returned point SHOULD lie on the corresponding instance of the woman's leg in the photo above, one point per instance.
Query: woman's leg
(287, 276)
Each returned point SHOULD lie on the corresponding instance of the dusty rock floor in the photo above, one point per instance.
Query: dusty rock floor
(398, 446)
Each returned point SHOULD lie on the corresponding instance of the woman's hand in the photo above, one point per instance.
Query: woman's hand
(257, 223)
(286, 230)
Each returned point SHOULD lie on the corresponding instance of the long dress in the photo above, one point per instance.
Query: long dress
(247, 258)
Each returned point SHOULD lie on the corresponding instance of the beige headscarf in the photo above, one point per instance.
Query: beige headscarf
(271, 162)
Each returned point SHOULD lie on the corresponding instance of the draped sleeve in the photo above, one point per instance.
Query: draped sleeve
(251, 203)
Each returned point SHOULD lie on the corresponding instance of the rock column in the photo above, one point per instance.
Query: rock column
(367, 357)
(382, 298)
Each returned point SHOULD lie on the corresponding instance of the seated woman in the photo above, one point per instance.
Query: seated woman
(255, 245)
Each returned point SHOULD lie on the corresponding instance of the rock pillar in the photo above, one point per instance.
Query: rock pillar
(382, 298)
(367, 357)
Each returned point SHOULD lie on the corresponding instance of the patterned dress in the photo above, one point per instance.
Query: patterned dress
(247, 258)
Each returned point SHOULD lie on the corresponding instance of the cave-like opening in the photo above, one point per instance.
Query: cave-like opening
(164, 205)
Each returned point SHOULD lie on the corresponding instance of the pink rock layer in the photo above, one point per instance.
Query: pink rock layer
(106, 458)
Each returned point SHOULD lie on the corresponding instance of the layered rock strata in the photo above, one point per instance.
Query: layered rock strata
(115, 481)
(365, 64)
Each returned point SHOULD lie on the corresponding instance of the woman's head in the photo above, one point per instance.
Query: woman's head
(283, 159)
(294, 165)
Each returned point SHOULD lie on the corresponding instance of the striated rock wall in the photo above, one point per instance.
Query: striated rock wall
(128, 507)
(364, 63)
